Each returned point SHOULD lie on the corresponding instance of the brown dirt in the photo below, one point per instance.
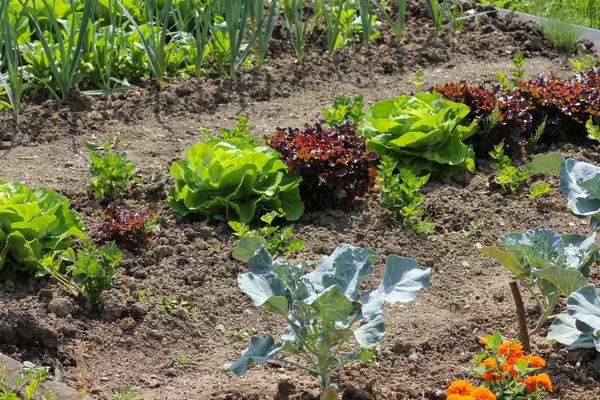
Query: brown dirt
(429, 340)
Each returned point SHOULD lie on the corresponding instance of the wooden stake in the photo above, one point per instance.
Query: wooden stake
(514, 288)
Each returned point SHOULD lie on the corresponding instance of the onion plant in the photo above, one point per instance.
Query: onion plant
(107, 47)
(297, 23)
(201, 14)
(155, 39)
(332, 24)
(450, 11)
(235, 14)
(262, 28)
(397, 26)
(12, 81)
(366, 18)
(62, 56)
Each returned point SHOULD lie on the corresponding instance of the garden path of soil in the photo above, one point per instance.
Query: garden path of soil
(429, 340)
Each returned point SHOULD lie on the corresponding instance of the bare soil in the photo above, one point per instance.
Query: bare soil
(429, 340)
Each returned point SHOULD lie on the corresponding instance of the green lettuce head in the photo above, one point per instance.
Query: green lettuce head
(33, 224)
(231, 179)
(424, 133)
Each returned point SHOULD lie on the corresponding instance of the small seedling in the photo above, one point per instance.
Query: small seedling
(31, 377)
(277, 241)
(593, 130)
(517, 73)
(89, 272)
(178, 361)
(238, 334)
(537, 135)
(143, 298)
(170, 305)
(538, 190)
(582, 63)
(509, 176)
(445, 256)
(344, 109)
(124, 395)
(108, 145)
(402, 196)
(455, 302)
(417, 79)
(110, 172)
(472, 229)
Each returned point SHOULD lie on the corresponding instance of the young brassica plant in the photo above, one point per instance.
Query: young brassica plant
(578, 326)
(323, 308)
(557, 265)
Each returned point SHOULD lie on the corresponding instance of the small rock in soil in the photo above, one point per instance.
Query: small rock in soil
(112, 307)
(61, 306)
(415, 358)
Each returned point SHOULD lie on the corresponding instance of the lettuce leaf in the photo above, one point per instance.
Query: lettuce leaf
(32, 224)
(231, 179)
(422, 132)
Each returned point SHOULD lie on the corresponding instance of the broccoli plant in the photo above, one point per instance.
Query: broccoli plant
(323, 309)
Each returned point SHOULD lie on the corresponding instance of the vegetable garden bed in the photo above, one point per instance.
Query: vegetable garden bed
(176, 314)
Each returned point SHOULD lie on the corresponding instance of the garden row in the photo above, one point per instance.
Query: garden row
(398, 144)
(49, 47)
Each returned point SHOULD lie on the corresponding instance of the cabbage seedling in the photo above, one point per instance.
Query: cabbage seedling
(323, 308)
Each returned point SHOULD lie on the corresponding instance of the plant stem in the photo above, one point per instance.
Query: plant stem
(514, 288)
(295, 364)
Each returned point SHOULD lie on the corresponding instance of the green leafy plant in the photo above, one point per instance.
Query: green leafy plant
(239, 131)
(472, 228)
(32, 224)
(170, 305)
(110, 172)
(539, 131)
(89, 272)
(517, 73)
(580, 186)
(239, 334)
(582, 62)
(578, 326)
(417, 79)
(506, 371)
(31, 378)
(233, 180)
(344, 109)
(593, 130)
(121, 394)
(402, 196)
(179, 361)
(538, 190)
(277, 241)
(422, 133)
(556, 265)
(323, 309)
(509, 176)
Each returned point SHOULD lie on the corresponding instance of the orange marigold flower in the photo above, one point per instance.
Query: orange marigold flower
(508, 365)
(544, 380)
(533, 383)
(530, 383)
(460, 397)
(511, 349)
(483, 393)
(535, 361)
(491, 374)
(461, 387)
